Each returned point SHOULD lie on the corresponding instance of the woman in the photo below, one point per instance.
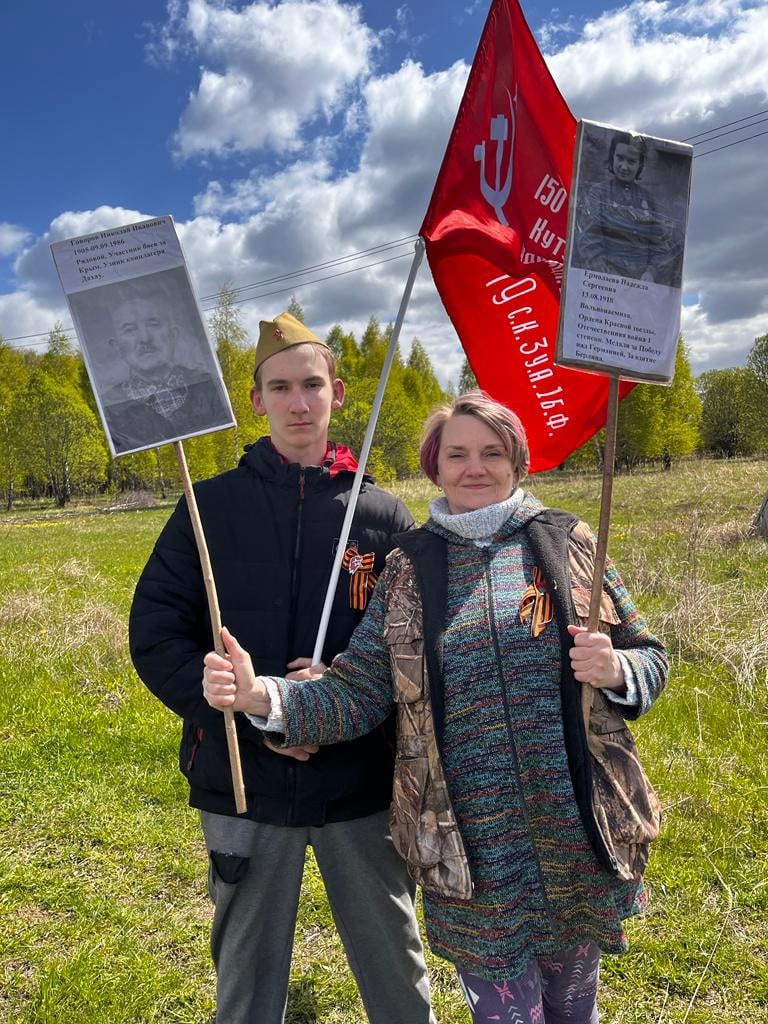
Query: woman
(468, 632)
(619, 228)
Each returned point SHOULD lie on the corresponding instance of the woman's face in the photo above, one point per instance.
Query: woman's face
(626, 162)
(473, 468)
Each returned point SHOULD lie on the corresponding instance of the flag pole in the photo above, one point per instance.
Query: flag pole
(215, 614)
(609, 459)
(363, 456)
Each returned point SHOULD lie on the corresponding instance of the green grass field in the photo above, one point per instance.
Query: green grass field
(103, 910)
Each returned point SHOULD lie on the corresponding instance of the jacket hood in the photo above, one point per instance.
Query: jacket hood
(266, 460)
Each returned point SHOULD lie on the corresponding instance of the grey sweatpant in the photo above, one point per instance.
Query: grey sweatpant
(255, 873)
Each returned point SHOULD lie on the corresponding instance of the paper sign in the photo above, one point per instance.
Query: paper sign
(152, 366)
(622, 290)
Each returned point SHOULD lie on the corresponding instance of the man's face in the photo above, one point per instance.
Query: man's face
(297, 396)
(145, 338)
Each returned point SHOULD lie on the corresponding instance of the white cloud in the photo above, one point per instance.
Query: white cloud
(34, 265)
(38, 302)
(12, 238)
(622, 72)
(665, 68)
(719, 346)
(168, 39)
(23, 315)
(677, 70)
(268, 71)
(307, 214)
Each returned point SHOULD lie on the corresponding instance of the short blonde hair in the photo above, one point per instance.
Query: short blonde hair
(502, 421)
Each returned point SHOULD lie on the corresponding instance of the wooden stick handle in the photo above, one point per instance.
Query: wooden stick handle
(609, 458)
(213, 609)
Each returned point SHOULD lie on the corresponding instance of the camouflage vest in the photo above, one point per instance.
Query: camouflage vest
(423, 825)
(422, 822)
(624, 805)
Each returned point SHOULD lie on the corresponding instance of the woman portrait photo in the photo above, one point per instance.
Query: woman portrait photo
(627, 219)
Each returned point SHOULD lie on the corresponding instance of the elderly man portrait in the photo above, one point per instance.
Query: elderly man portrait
(163, 395)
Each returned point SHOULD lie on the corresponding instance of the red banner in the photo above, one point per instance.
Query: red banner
(495, 238)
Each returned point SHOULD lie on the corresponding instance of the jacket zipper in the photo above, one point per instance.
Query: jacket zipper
(291, 767)
(195, 747)
(297, 547)
(510, 732)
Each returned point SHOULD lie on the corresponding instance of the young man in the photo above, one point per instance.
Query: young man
(272, 527)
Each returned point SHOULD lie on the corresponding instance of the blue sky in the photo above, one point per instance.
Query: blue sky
(286, 134)
(90, 115)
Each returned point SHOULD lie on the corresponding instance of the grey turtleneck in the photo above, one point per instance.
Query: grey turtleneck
(481, 524)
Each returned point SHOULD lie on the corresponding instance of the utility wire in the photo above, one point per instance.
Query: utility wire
(237, 302)
(729, 144)
(709, 131)
(411, 238)
(316, 280)
(743, 128)
(714, 133)
(384, 247)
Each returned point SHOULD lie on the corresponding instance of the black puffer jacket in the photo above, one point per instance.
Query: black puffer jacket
(271, 530)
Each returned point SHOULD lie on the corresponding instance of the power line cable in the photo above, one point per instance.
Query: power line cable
(715, 134)
(383, 247)
(238, 302)
(317, 280)
(729, 144)
(743, 128)
(410, 238)
(757, 113)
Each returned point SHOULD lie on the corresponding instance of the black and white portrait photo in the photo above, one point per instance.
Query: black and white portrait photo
(631, 206)
(155, 377)
(151, 364)
(622, 287)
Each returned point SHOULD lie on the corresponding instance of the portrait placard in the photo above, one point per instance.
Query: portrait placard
(152, 367)
(622, 286)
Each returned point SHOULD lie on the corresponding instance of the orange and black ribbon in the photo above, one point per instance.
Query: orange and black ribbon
(536, 604)
(362, 579)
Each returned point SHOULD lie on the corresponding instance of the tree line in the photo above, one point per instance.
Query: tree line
(52, 444)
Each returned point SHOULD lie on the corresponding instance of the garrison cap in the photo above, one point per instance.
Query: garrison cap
(279, 334)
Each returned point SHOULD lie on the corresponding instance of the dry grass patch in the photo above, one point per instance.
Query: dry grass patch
(24, 609)
(709, 604)
(98, 623)
(728, 534)
(75, 571)
(50, 618)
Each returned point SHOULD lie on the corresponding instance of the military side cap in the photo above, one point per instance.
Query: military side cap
(279, 334)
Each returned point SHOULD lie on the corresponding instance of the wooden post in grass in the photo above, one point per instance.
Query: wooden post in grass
(759, 525)
(213, 609)
(609, 459)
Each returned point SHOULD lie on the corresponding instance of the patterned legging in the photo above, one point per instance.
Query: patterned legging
(560, 989)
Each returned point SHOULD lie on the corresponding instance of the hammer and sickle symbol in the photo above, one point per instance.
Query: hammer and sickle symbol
(498, 193)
